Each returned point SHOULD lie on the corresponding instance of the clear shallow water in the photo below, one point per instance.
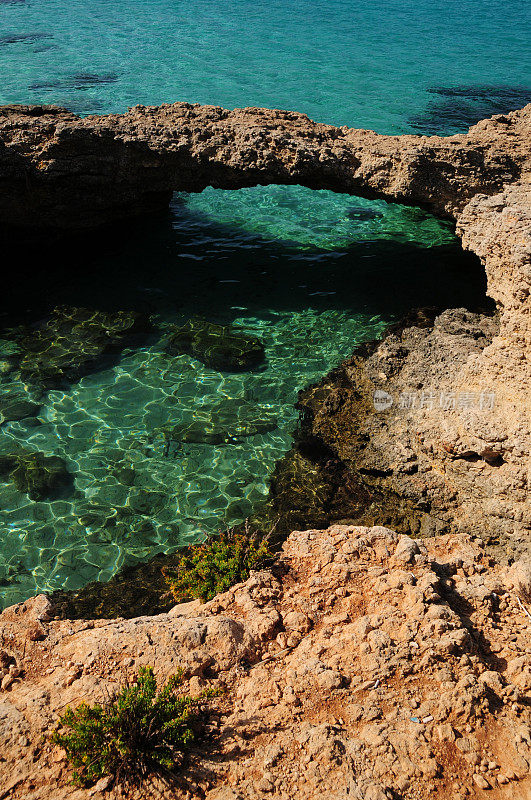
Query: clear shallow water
(310, 273)
(309, 303)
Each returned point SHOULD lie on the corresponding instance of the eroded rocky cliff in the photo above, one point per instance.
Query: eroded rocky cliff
(60, 171)
(452, 451)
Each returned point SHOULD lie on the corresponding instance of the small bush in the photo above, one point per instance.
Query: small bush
(139, 731)
(216, 564)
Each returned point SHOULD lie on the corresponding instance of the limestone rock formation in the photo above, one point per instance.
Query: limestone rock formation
(466, 468)
(368, 664)
(439, 451)
(462, 466)
(452, 450)
(58, 170)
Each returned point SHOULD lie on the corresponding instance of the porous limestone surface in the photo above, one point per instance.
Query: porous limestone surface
(59, 170)
(367, 664)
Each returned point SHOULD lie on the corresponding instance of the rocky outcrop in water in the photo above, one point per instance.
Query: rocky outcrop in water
(456, 456)
(408, 424)
(452, 452)
(366, 665)
(446, 440)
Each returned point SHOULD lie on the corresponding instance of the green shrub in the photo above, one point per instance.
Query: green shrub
(216, 564)
(141, 730)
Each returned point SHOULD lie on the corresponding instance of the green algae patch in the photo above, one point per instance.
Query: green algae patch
(220, 347)
(71, 342)
(140, 732)
(40, 476)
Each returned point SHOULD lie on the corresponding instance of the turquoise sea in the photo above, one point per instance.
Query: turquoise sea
(310, 273)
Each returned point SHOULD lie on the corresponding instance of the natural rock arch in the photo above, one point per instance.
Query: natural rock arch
(60, 171)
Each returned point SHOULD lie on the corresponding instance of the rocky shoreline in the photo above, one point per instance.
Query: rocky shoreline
(469, 460)
(424, 484)
(366, 664)
(353, 463)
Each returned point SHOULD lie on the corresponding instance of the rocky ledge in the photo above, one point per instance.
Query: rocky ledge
(367, 664)
(435, 419)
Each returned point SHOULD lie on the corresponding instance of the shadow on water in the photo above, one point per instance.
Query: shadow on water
(209, 269)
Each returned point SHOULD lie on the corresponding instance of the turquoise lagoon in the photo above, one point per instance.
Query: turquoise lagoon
(310, 273)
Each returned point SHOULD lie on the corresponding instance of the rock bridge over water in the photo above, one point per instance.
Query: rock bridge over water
(58, 170)
(466, 468)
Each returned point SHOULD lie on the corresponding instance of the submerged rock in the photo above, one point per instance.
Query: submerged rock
(145, 502)
(220, 347)
(214, 433)
(226, 423)
(453, 109)
(16, 408)
(137, 590)
(40, 476)
(69, 344)
(362, 214)
(125, 475)
(309, 488)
